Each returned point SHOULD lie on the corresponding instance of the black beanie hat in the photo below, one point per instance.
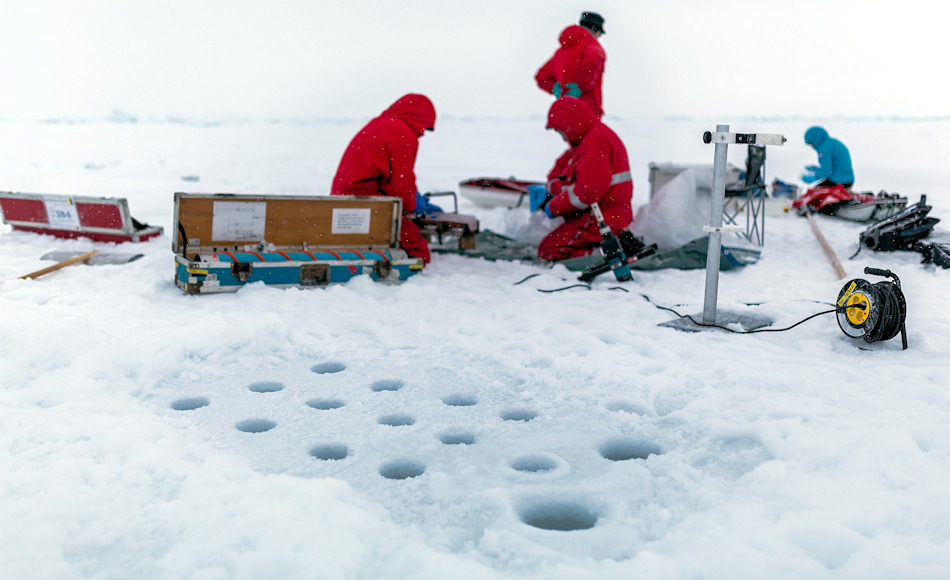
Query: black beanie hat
(593, 21)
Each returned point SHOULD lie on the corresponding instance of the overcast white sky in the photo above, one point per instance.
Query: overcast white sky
(316, 58)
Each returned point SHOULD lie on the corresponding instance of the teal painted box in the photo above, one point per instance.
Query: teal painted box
(226, 241)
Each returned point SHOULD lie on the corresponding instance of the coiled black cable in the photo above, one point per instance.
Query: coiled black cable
(892, 311)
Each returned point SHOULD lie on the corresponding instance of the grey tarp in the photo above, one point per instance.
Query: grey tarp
(492, 246)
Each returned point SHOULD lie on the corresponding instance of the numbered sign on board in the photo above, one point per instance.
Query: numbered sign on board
(61, 212)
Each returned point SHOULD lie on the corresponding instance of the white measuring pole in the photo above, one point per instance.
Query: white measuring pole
(722, 138)
(715, 229)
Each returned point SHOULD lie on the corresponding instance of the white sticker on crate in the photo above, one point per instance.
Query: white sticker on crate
(238, 221)
(61, 213)
(350, 221)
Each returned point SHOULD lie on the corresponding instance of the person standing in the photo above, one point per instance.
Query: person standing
(834, 160)
(594, 169)
(577, 68)
(381, 158)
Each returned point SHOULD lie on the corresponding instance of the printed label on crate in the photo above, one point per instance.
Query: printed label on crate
(239, 221)
(62, 213)
(350, 221)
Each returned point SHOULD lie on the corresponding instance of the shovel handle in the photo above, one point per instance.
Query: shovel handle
(58, 265)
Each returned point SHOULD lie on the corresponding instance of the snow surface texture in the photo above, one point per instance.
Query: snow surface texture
(458, 425)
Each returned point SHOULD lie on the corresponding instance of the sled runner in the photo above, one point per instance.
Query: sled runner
(496, 191)
(226, 241)
(103, 219)
(853, 206)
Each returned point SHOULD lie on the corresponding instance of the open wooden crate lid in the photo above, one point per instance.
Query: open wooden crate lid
(226, 221)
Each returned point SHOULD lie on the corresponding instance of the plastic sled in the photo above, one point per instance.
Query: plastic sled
(849, 205)
(497, 191)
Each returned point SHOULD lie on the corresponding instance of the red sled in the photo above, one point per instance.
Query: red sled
(496, 191)
(103, 219)
(850, 205)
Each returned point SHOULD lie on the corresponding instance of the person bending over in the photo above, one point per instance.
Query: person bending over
(594, 169)
(381, 158)
(834, 160)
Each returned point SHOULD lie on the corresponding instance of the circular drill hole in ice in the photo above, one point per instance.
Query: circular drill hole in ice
(457, 439)
(740, 443)
(325, 404)
(625, 449)
(402, 469)
(519, 415)
(328, 368)
(255, 425)
(627, 407)
(459, 401)
(266, 387)
(330, 451)
(396, 420)
(560, 516)
(533, 463)
(189, 404)
(387, 385)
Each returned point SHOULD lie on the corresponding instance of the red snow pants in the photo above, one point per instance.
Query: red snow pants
(572, 239)
(411, 240)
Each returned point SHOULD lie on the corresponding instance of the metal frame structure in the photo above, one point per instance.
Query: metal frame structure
(722, 139)
(749, 202)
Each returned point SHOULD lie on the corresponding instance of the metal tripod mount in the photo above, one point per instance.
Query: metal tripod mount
(722, 138)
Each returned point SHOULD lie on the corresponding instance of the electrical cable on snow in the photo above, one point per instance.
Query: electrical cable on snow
(566, 288)
(697, 323)
(588, 286)
(694, 321)
(525, 279)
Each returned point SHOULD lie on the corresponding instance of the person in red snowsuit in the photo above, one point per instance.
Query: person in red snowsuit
(380, 160)
(577, 67)
(593, 170)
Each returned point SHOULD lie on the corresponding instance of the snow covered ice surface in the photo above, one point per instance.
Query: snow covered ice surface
(459, 425)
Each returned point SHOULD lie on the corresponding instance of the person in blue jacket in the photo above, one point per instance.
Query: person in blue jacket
(834, 160)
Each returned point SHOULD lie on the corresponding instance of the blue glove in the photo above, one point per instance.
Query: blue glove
(573, 90)
(809, 175)
(537, 196)
(424, 206)
(547, 211)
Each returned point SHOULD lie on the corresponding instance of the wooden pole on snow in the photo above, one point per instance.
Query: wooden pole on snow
(826, 246)
(63, 264)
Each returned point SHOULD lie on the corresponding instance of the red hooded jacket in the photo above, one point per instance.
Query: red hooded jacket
(380, 159)
(594, 170)
(580, 60)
